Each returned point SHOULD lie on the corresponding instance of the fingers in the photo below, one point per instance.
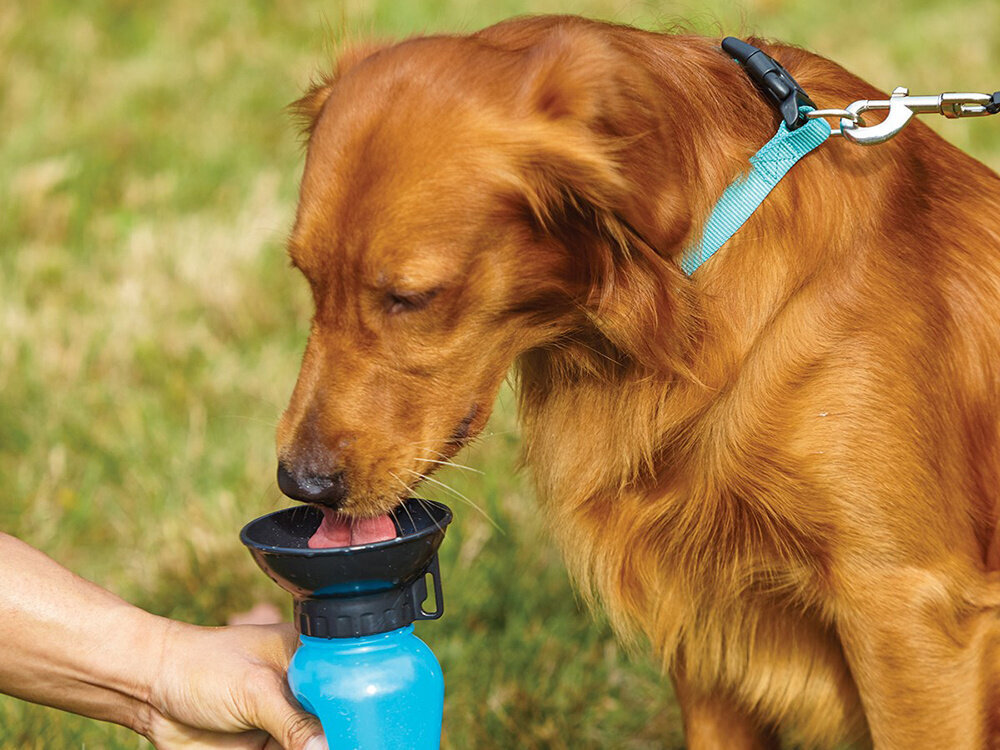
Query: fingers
(270, 704)
(300, 731)
(291, 727)
(173, 736)
(316, 743)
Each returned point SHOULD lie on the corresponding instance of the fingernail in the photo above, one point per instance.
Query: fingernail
(317, 743)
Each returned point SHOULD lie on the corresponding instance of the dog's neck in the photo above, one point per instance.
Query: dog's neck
(732, 313)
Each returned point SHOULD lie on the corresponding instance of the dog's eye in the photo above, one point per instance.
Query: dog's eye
(402, 302)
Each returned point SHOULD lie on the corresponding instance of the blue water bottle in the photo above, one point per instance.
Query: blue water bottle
(373, 684)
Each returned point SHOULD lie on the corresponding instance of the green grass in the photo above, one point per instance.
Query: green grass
(150, 329)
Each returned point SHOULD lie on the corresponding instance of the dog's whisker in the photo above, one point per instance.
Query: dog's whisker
(452, 463)
(420, 443)
(446, 458)
(423, 504)
(408, 491)
(437, 452)
(426, 507)
(392, 515)
(460, 496)
(413, 524)
(406, 487)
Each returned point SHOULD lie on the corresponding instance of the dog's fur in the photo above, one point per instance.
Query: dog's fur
(784, 470)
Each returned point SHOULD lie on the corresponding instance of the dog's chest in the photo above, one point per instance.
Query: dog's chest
(737, 626)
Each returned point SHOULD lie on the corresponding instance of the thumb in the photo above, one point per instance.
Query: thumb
(293, 728)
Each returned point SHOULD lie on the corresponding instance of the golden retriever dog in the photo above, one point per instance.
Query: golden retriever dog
(783, 471)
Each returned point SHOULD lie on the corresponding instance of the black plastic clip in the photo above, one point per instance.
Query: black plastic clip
(774, 81)
(419, 593)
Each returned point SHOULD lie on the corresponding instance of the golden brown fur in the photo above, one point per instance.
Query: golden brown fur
(783, 471)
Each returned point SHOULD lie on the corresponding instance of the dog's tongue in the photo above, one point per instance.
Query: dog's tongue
(338, 530)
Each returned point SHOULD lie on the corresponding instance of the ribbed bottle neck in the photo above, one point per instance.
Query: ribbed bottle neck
(362, 641)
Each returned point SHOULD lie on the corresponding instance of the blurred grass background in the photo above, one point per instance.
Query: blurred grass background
(150, 328)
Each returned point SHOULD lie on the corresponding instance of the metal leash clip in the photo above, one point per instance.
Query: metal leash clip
(901, 108)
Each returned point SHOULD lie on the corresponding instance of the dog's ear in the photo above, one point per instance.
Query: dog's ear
(567, 75)
(306, 110)
(592, 118)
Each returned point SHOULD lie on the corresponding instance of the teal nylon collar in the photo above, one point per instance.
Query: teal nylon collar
(743, 196)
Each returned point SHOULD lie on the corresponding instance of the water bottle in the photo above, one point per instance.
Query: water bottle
(359, 667)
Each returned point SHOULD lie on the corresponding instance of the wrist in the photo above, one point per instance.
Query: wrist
(158, 637)
(133, 664)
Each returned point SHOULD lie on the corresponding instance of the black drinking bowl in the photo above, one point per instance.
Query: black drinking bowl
(278, 543)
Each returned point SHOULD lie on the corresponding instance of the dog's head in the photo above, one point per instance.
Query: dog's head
(462, 204)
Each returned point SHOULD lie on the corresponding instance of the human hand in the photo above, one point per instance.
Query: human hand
(69, 643)
(215, 686)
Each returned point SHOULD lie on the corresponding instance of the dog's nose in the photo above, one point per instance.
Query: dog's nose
(329, 490)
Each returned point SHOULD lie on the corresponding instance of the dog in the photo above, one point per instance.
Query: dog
(782, 471)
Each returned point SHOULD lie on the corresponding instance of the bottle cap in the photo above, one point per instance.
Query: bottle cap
(345, 592)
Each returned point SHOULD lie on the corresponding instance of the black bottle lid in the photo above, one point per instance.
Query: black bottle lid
(347, 592)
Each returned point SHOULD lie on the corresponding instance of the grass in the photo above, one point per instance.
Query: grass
(150, 329)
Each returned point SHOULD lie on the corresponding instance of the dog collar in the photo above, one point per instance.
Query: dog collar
(743, 196)
(796, 137)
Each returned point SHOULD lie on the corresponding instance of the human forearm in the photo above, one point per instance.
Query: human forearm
(69, 643)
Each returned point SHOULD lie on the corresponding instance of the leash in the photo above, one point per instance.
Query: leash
(802, 129)
(901, 108)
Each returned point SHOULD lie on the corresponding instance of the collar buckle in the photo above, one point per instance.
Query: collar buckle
(776, 83)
